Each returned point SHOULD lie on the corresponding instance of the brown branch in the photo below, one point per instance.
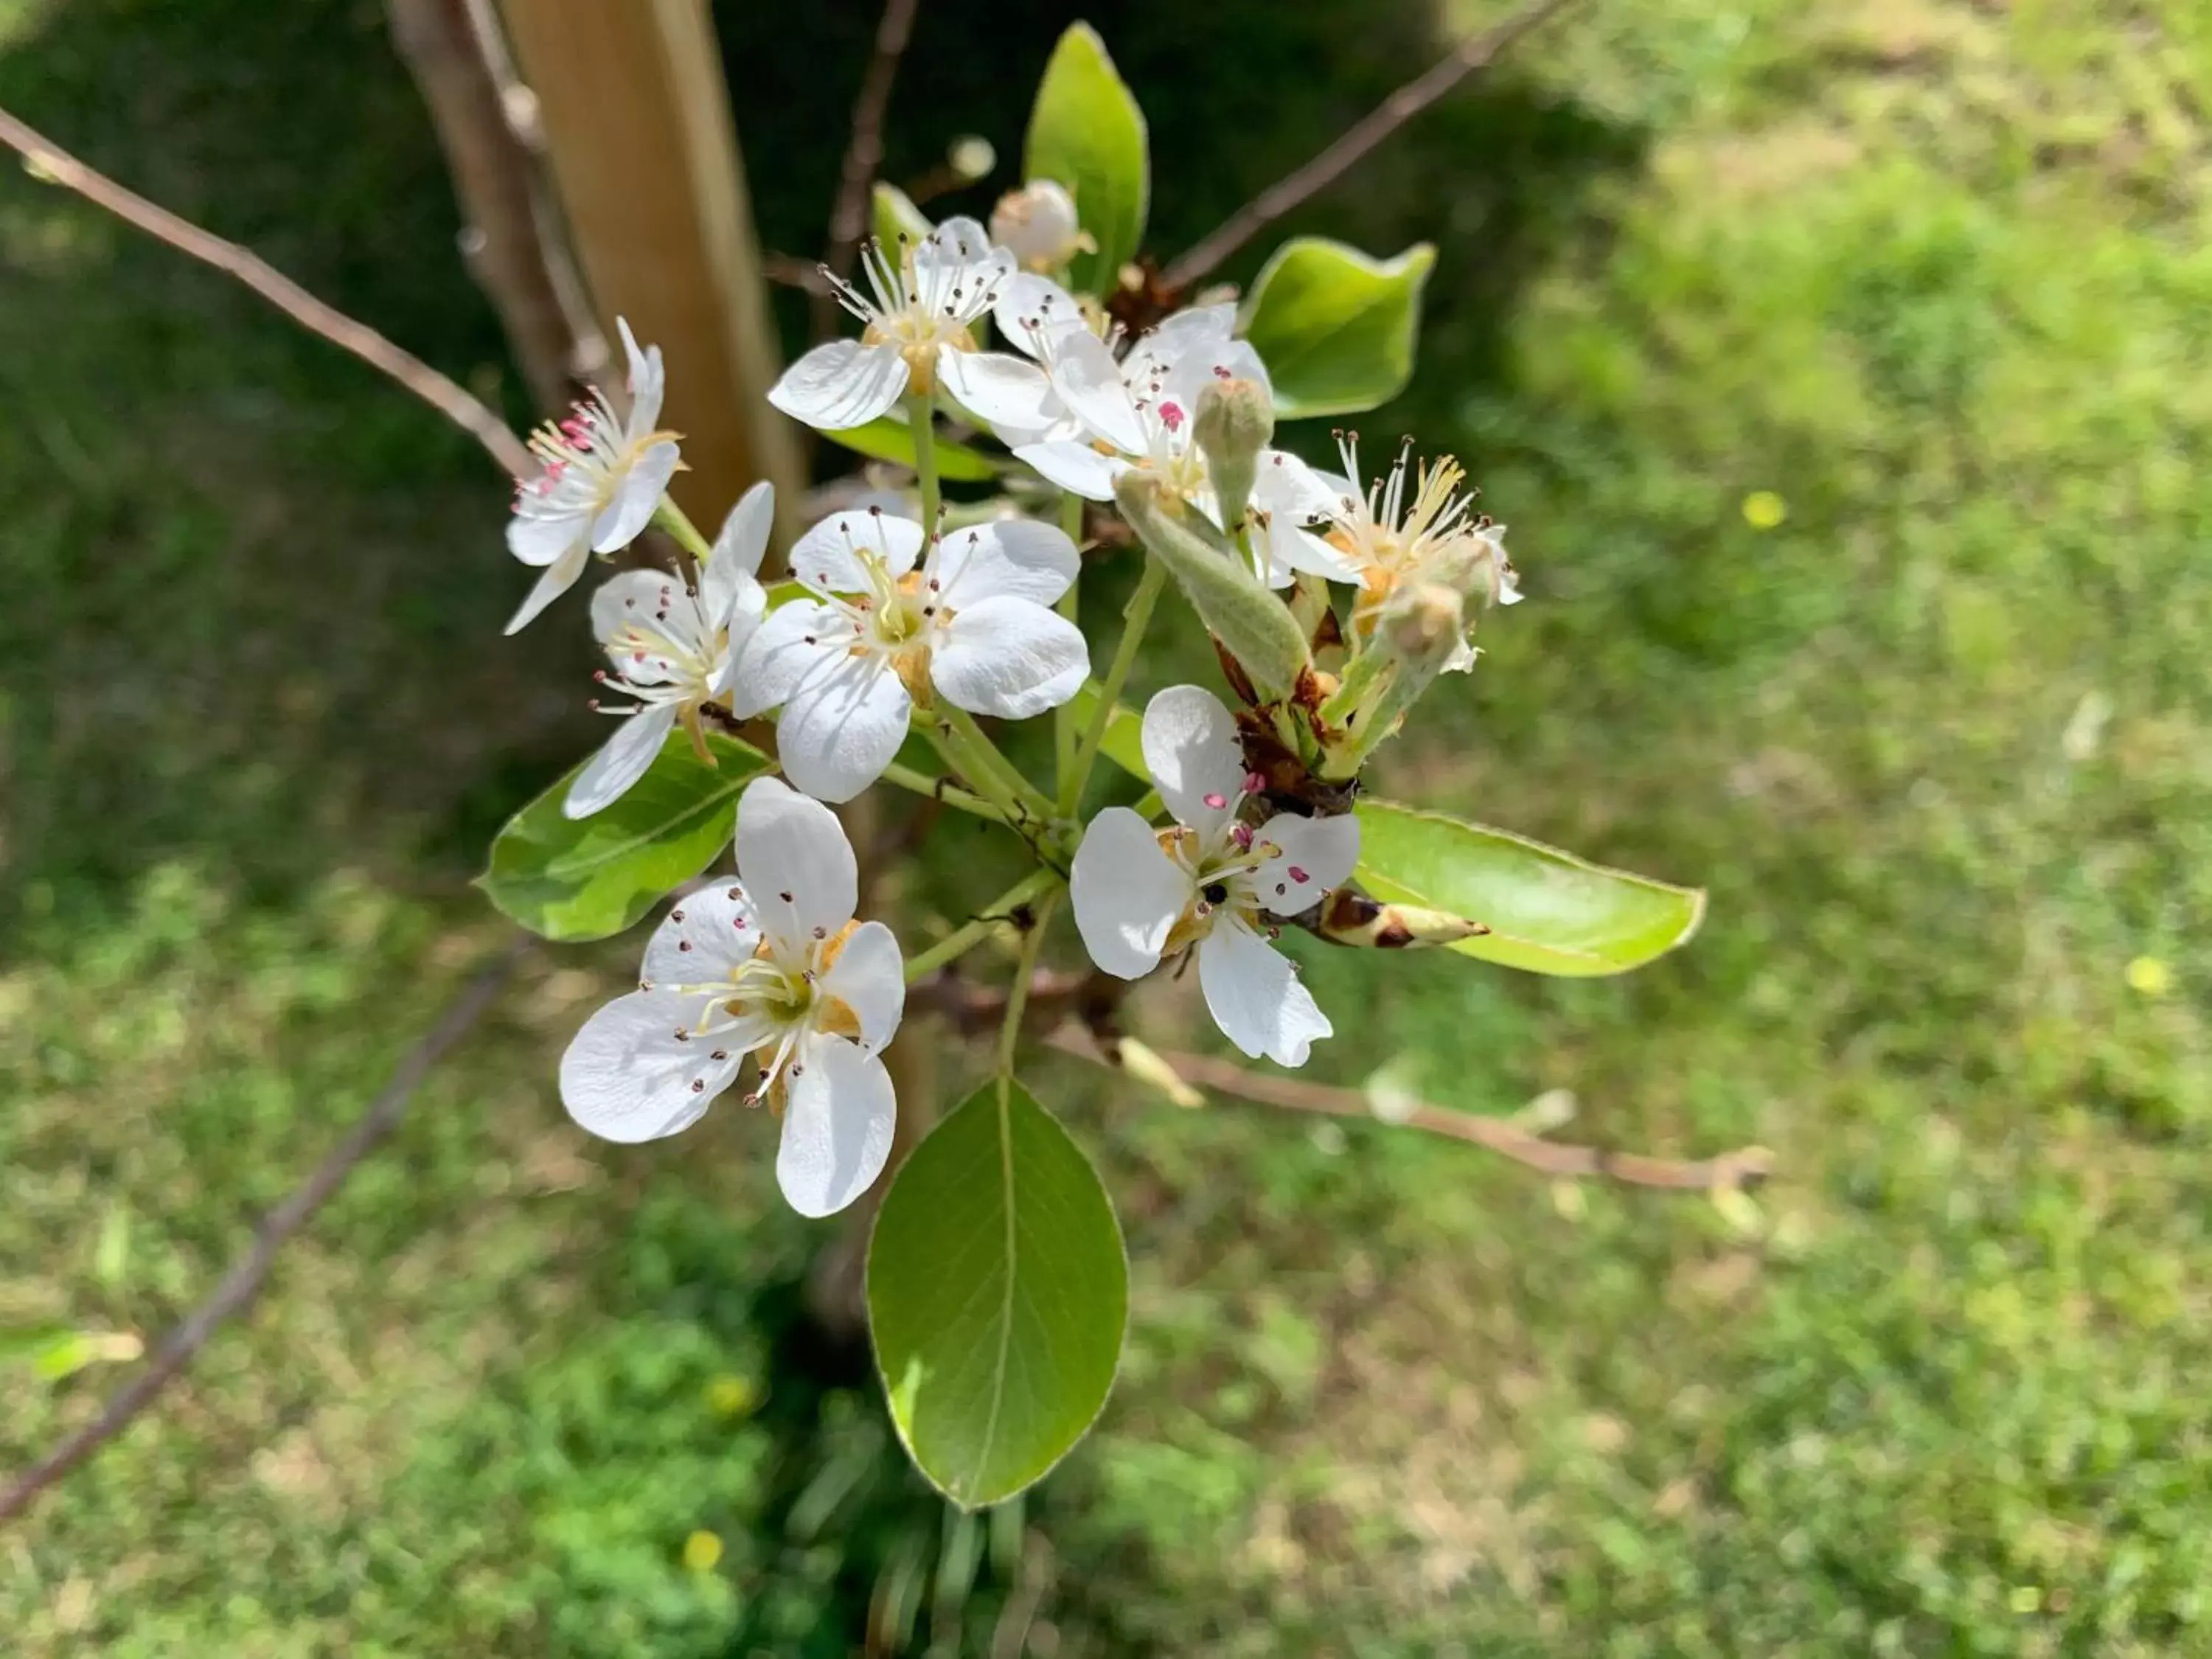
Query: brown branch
(789, 271)
(1355, 142)
(444, 395)
(243, 1283)
(864, 153)
(1744, 1166)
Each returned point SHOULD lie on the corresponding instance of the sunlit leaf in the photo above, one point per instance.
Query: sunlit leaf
(888, 438)
(1548, 911)
(581, 878)
(1335, 327)
(1087, 133)
(896, 215)
(998, 1290)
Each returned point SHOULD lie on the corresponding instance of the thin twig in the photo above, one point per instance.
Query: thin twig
(1744, 1166)
(243, 1283)
(1355, 142)
(444, 395)
(864, 153)
(789, 271)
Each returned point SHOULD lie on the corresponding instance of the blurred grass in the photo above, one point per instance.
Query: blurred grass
(1932, 274)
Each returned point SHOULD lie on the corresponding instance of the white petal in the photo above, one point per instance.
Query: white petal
(795, 863)
(838, 1115)
(826, 556)
(1127, 893)
(632, 596)
(635, 498)
(1315, 856)
(540, 538)
(1011, 659)
(748, 610)
(1290, 549)
(869, 977)
(1030, 305)
(647, 382)
(702, 938)
(1088, 382)
(1286, 484)
(623, 759)
(1191, 751)
(842, 726)
(744, 537)
(558, 578)
(1255, 996)
(1017, 558)
(844, 384)
(796, 640)
(1190, 327)
(627, 1077)
(1073, 466)
(998, 389)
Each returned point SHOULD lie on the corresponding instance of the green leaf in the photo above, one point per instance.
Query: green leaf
(1087, 133)
(1335, 327)
(1124, 742)
(888, 438)
(55, 1351)
(583, 878)
(1549, 911)
(998, 1290)
(896, 215)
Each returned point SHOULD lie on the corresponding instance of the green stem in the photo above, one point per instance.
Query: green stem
(1018, 996)
(921, 412)
(1063, 718)
(988, 754)
(942, 789)
(985, 782)
(670, 518)
(1135, 620)
(966, 936)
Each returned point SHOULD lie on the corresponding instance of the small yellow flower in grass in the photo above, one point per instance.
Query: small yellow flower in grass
(1763, 509)
(732, 1395)
(2149, 976)
(702, 1550)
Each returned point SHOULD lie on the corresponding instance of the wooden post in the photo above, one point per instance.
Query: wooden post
(637, 125)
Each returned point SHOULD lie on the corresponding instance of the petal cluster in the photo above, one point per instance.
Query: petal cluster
(673, 649)
(772, 967)
(602, 478)
(882, 627)
(1212, 881)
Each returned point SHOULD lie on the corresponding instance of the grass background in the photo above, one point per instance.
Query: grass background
(1933, 272)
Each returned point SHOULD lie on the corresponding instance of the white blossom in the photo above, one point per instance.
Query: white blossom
(1108, 416)
(875, 635)
(917, 321)
(1038, 225)
(603, 478)
(672, 647)
(1212, 880)
(771, 964)
(1387, 542)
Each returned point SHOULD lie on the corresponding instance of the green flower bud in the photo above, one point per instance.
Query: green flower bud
(1234, 422)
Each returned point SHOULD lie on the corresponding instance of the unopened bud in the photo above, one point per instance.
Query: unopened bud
(1348, 917)
(971, 157)
(1236, 420)
(1037, 224)
(1424, 621)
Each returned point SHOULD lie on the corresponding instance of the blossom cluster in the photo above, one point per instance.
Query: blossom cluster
(911, 618)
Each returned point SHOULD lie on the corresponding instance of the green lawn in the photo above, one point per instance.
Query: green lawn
(1940, 742)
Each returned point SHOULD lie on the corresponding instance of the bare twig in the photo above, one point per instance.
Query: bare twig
(243, 1283)
(789, 271)
(444, 395)
(1742, 1167)
(864, 153)
(1355, 142)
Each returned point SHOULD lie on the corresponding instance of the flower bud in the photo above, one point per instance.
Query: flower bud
(1038, 225)
(1235, 419)
(1348, 917)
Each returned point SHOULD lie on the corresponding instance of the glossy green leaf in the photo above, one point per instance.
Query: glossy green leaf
(1087, 133)
(888, 438)
(583, 879)
(998, 1291)
(1549, 912)
(896, 215)
(1124, 742)
(1335, 327)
